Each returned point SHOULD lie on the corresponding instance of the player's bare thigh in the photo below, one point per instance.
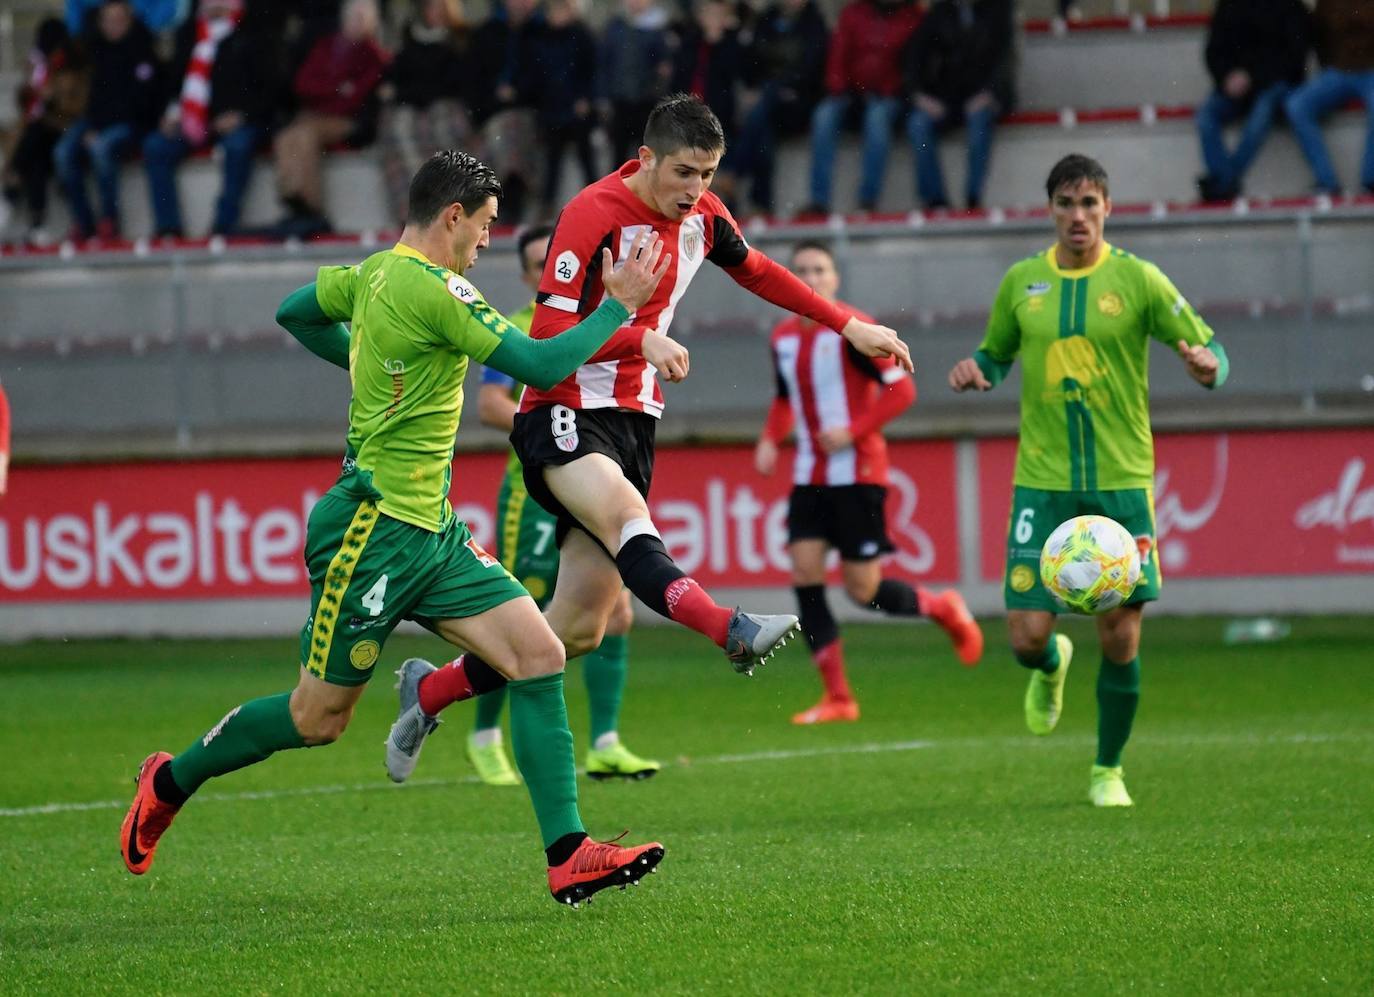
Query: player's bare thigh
(1031, 630)
(513, 638)
(596, 492)
(808, 561)
(586, 595)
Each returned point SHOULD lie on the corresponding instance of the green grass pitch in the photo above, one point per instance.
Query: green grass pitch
(933, 847)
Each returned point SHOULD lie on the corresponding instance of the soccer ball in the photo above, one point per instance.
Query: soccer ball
(1091, 564)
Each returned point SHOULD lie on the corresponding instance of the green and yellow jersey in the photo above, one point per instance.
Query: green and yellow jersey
(1083, 338)
(415, 324)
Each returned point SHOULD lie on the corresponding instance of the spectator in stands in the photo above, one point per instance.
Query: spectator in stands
(52, 96)
(156, 15)
(423, 105)
(222, 94)
(863, 66)
(783, 66)
(555, 70)
(708, 61)
(507, 119)
(635, 70)
(958, 69)
(122, 104)
(1344, 36)
(1256, 53)
(336, 87)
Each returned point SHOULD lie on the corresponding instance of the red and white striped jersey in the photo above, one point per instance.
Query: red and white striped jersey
(830, 385)
(609, 215)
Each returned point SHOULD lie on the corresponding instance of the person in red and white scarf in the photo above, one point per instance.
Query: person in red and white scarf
(221, 95)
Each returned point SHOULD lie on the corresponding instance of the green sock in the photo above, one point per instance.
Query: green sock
(543, 747)
(1047, 661)
(247, 735)
(604, 671)
(489, 707)
(1118, 693)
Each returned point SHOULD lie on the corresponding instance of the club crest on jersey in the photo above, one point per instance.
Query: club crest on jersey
(1110, 304)
(567, 443)
(462, 290)
(691, 244)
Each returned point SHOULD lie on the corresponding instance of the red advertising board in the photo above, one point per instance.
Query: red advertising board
(1234, 504)
(211, 529)
(1229, 505)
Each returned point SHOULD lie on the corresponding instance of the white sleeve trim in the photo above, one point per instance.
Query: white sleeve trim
(893, 374)
(563, 304)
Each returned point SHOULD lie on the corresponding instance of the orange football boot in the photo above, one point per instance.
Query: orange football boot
(829, 711)
(147, 818)
(599, 864)
(949, 610)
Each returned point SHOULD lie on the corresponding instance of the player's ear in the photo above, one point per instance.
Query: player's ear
(454, 214)
(1106, 205)
(647, 160)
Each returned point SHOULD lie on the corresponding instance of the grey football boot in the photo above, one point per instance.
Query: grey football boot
(752, 639)
(412, 724)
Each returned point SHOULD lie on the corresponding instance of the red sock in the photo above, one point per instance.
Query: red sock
(444, 686)
(830, 662)
(689, 605)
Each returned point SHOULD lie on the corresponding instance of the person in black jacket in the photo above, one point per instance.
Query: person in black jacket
(222, 94)
(783, 69)
(424, 97)
(958, 70)
(1256, 53)
(121, 106)
(553, 68)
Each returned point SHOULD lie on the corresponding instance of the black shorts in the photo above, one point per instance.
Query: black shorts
(556, 434)
(848, 517)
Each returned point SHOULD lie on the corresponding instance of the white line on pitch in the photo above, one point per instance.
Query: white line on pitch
(871, 748)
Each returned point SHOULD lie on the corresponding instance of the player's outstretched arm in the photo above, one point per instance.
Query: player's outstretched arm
(301, 315)
(873, 340)
(543, 363)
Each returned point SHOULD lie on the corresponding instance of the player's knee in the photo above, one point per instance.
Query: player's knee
(621, 619)
(318, 726)
(539, 656)
(583, 638)
(861, 590)
(1027, 644)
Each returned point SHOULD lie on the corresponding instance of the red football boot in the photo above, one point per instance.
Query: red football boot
(599, 864)
(828, 711)
(147, 818)
(949, 610)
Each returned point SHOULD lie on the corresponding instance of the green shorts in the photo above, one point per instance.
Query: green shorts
(525, 539)
(1035, 514)
(368, 572)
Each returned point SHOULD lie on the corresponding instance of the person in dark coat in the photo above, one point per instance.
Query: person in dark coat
(1257, 53)
(122, 105)
(958, 70)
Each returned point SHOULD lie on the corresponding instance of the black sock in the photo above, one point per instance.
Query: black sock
(165, 788)
(647, 571)
(561, 850)
(896, 598)
(817, 623)
(481, 676)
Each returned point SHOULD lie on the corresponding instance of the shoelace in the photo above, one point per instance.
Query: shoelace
(596, 856)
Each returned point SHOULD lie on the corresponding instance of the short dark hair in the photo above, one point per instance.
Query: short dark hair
(532, 234)
(683, 121)
(450, 177)
(1072, 170)
(817, 244)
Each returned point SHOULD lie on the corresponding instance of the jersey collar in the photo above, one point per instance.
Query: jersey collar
(1081, 271)
(401, 249)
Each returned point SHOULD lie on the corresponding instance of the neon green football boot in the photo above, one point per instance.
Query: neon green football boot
(491, 763)
(1107, 788)
(1045, 694)
(619, 762)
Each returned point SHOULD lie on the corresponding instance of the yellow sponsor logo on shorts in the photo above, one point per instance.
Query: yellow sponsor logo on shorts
(536, 587)
(1110, 304)
(1022, 578)
(364, 654)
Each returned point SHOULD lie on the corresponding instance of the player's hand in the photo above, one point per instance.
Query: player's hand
(966, 375)
(668, 356)
(1202, 363)
(766, 457)
(835, 440)
(877, 341)
(634, 281)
